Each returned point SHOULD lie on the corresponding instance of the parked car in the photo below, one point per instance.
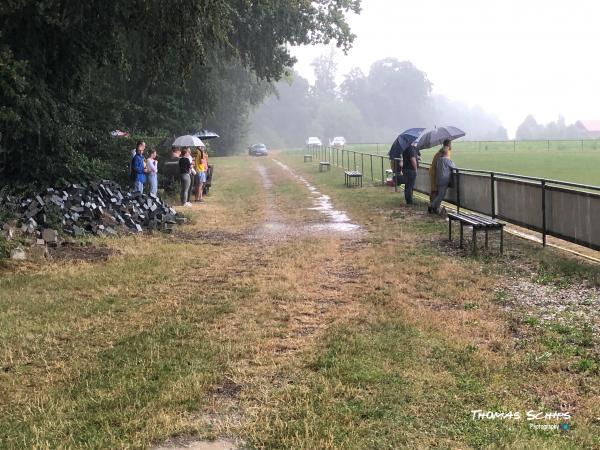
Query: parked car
(314, 141)
(258, 150)
(338, 141)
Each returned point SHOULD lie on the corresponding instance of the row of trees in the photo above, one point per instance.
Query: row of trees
(530, 129)
(375, 107)
(70, 72)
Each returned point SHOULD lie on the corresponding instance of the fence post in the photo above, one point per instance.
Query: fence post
(493, 180)
(544, 213)
(515, 146)
(457, 191)
(362, 163)
(382, 173)
(548, 146)
(371, 156)
(354, 155)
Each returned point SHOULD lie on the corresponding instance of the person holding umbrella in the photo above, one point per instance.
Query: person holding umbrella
(402, 142)
(432, 172)
(409, 166)
(430, 138)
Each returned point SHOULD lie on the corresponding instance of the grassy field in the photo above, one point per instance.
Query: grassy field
(383, 340)
(574, 161)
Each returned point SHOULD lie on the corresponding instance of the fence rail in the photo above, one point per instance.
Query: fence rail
(542, 145)
(566, 210)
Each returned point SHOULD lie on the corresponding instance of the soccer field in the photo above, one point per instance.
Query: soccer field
(575, 161)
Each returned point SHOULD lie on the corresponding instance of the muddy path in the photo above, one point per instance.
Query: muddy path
(298, 268)
(279, 223)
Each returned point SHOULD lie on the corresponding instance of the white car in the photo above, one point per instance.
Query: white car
(338, 141)
(314, 141)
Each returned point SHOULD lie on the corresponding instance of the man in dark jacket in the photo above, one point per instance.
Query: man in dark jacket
(410, 164)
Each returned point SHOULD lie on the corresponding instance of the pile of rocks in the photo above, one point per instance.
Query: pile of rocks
(100, 208)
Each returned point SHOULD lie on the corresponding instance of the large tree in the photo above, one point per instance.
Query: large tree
(72, 71)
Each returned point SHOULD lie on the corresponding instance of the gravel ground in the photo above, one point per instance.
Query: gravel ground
(574, 305)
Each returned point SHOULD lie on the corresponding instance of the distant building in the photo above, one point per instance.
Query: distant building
(591, 127)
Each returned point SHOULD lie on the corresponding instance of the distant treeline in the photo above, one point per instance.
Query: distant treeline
(530, 129)
(375, 107)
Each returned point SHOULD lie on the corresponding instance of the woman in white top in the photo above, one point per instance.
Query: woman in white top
(152, 163)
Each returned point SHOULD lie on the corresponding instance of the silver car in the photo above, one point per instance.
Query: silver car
(258, 150)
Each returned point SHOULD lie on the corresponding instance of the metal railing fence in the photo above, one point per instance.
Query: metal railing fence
(566, 210)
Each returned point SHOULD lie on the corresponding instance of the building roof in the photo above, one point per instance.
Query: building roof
(591, 125)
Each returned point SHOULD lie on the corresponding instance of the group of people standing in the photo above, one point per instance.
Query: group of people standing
(144, 169)
(193, 171)
(440, 174)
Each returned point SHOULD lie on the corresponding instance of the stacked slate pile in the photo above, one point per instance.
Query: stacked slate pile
(96, 208)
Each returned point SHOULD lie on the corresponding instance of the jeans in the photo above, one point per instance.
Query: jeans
(138, 186)
(410, 178)
(153, 179)
(439, 197)
(201, 177)
(186, 183)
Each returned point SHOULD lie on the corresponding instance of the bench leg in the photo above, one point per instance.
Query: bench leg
(486, 238)
(474, 241)
(450, 230)
(461, 235)
(502, 240)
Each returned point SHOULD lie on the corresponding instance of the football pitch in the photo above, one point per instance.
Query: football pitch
(574, 161)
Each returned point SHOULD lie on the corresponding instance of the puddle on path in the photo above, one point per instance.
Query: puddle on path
(221, 444)
(336, 221)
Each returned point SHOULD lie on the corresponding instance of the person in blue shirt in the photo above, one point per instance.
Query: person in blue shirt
(138, 167)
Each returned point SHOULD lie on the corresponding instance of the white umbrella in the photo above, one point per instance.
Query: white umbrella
(188, 141)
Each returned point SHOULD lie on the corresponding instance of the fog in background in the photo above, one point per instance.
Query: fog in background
(489, 65)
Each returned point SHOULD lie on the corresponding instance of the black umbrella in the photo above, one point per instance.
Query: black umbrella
(206, 135)
(435, 136)
(403, 142)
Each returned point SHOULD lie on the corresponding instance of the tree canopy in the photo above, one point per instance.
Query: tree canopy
(71, 72)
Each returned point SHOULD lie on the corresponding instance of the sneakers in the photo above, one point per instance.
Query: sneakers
(187, 204)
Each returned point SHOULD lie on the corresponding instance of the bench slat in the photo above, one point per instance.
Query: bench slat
(475, 220)
(487, 220)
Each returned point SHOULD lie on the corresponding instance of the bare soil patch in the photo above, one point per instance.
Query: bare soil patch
(77, 252)
(212, 237)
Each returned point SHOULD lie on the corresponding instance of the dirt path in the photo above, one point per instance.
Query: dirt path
(305, 279)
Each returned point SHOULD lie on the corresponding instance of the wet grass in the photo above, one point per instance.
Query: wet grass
(381, 340)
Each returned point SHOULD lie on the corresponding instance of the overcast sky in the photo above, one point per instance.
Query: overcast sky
(511, 57)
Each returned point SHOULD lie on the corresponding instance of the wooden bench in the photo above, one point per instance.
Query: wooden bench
(307, 158)
(353, 178)
(476, 222)
(324, 165)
